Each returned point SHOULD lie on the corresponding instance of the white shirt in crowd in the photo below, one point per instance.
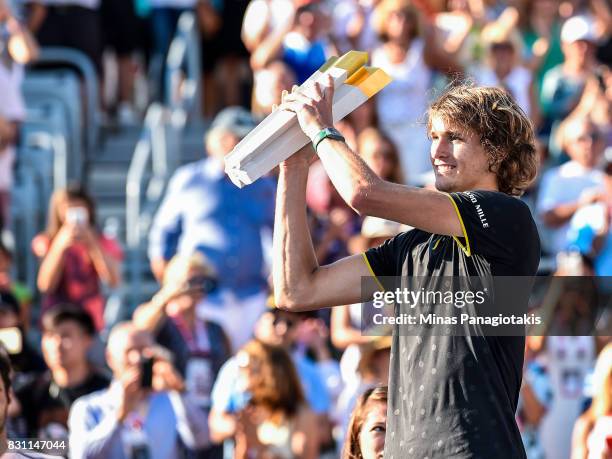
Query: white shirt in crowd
(517, 83)
(344, 12)
(402, 107)
(12, 108)
(563, 185)
(568, 360)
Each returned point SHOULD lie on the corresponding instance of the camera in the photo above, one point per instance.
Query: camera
(146, 372)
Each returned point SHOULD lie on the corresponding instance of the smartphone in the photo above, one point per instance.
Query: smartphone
(78, 216)
(146, 372)
(11, 340)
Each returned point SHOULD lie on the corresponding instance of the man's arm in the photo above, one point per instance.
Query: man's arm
(300, 284)
(359, 186)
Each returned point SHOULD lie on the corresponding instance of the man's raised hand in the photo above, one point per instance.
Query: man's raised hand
(314, 110)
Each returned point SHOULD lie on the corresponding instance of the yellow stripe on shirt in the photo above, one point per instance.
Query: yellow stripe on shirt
(367, 262)
(466, 248)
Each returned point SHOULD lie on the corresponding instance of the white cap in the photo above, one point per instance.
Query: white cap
(581, 27)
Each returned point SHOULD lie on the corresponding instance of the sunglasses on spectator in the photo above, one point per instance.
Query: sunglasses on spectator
(592, 136)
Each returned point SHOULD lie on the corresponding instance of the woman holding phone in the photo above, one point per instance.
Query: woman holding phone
(75, 257)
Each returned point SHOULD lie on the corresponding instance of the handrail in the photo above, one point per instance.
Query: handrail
(150, 154)
(149, 147)
(75, 58)
(183, 90)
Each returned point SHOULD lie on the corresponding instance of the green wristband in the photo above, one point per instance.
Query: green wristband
(327, 133)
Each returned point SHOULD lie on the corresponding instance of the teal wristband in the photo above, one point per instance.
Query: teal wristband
(327, 133)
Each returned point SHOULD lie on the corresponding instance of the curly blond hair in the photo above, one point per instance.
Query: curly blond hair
(503, 128)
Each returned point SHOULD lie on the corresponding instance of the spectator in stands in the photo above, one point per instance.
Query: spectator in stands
(19, 290)
(225, 54)
(199, 346)
(569, 359)
(540, 28)
(17, 48)
(210, 22)
(303, 47)
(596, 102)
(67, 336)
(164, 16)
(75, 256)
(353, 26)
(124, 33)
(458, 24)
(372, 370)
(25, 360)
(577, 183)
(144, 412)
(277, 421)
(68, 23)
(367, 427)
(504, 68)
(270, 82)
(274, 328)
(593, 430)
(563, 84)
(380, 153)
(409, 57)
(204, 211)
(534, 400)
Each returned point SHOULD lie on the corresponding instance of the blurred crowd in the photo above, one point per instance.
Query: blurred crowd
(208, 367)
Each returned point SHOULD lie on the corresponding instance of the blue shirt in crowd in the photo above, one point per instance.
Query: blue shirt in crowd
(95, 432)
(204, 211)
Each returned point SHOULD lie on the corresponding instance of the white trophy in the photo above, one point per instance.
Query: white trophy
(279, 135)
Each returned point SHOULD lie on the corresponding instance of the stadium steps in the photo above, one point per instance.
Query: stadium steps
(106, 175)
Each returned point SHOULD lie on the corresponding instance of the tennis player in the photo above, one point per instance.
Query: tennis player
(449, 396)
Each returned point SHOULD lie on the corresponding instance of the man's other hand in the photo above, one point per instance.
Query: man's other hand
(314, 111)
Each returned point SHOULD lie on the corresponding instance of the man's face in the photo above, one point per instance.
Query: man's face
(502, 57)
(66, 346)
(580, 52)
(189, 299)
(584, 144)
(127, 350)
(220, 143)
(459, 161)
